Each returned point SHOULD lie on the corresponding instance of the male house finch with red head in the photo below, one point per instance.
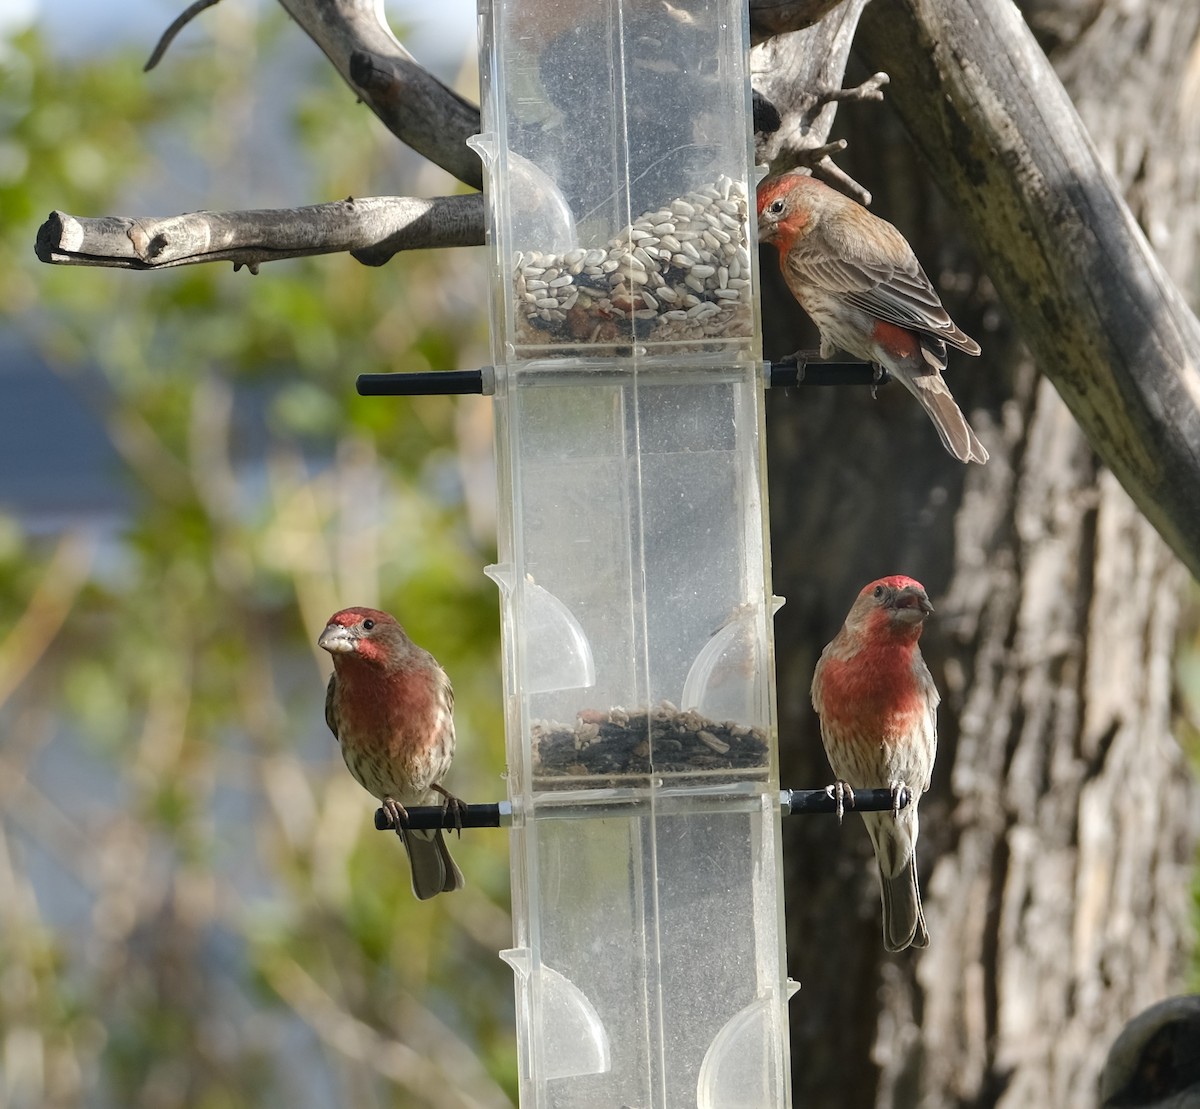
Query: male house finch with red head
(391, 707)
(861, 283)
(878, 709)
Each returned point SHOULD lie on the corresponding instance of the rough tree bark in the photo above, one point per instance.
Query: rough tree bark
(1058, 838)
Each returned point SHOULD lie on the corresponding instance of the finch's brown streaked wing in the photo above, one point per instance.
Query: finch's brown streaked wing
(899, 292)
(330, 715)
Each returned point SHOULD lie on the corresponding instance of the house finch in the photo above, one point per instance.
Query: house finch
(858, 279)
(878, 709)
(390, 706)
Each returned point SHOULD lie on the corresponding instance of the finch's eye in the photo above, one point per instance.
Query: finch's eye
(879, 591)
(368, 625)
(776, 207)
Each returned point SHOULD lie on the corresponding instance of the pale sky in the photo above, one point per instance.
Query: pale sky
(441, 30)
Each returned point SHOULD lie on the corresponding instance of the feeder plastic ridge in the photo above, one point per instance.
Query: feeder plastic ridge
(635, 594)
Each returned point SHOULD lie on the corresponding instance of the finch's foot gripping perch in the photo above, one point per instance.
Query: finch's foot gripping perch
(395, 812)
(800, 359)
(456, 806)
(843, 797)
(806, 367)
(901, 796)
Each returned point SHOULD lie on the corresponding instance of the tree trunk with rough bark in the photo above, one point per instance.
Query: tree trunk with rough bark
(1058, 836)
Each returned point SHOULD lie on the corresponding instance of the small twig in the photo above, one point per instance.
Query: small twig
(822, 165)
(820, 154)
(830, 170)
(870, 89)
(168, 36)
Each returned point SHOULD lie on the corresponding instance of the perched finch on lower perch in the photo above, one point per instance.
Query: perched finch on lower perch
(391, 707)
(860, 282)
(878, 709)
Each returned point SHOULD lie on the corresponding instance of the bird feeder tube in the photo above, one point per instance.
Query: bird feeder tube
(636, 609)
(792, 802)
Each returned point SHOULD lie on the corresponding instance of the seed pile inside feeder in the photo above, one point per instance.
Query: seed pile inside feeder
(660, 741)
(679, 272)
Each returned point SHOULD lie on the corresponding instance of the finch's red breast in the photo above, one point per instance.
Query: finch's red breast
(874, 693)
(395, 712)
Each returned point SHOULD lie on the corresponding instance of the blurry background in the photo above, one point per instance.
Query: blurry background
(194, 906)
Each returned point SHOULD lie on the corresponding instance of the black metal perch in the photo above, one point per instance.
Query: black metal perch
(780, 375)
(794, 802)
(803, 802)
(497, 815)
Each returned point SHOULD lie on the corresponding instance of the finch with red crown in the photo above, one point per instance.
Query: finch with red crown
(878, 709)
(391, 708)
(860, 282)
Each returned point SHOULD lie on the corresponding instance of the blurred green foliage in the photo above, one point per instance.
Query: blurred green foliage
(194, 906)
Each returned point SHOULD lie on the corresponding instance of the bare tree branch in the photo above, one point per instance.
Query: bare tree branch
(777, 17)
(800, 73)
(435, 121)
(1104, 321)
(371, 228)
(414, 105)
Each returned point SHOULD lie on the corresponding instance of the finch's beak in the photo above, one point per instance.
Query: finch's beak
(336, 640)
(913, 603)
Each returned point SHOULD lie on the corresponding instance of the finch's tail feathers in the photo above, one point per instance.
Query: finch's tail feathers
(433, 870)
(957, 435)
(903, 917)
(895, 842)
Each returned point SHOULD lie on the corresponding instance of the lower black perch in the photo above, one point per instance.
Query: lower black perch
(498, 815)
(800, 369)
(794, 802)
(802, 802)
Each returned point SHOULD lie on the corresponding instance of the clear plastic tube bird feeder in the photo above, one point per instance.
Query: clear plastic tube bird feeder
(636, 602)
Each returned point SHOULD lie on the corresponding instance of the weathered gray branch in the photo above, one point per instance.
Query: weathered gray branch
(778, 17)
(371, 228)
(1104, 321)
(800, 73)
(414, 105)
